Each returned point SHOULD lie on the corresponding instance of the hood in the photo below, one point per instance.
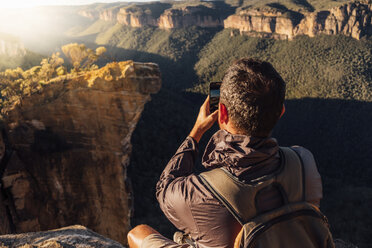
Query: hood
(243, 156)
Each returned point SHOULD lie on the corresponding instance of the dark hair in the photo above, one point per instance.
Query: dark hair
(253, 93)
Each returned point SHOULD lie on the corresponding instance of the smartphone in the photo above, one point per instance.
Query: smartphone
(214, 96)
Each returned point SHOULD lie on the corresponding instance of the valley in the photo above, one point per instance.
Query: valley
(322, 49)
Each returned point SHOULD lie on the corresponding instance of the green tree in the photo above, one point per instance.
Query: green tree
(81, 57)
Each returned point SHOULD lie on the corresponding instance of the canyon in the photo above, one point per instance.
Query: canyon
(352, 19)
(65, 150)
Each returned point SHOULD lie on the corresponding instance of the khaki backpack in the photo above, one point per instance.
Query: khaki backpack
(295, 223)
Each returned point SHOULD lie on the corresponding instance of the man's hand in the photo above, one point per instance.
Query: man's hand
(204, 121)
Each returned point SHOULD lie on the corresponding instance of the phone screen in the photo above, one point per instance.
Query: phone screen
(214, 96)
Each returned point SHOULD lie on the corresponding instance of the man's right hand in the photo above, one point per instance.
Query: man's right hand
(204, 121)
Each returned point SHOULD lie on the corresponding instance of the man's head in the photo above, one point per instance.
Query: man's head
(252, 97)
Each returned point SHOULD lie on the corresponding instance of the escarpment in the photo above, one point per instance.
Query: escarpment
(189, 16)
(11, 46)
(352, 19)
(128, 17)
(91, 14)
(268, 23)
(65, 151)
(109, 14)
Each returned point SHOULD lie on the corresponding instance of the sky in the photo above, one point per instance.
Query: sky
(33, 3)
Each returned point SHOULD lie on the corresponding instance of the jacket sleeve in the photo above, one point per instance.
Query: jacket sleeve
(174, 186)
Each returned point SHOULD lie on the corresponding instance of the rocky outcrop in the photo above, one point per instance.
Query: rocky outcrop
(91, 14)
(67, 149)
(161, 15)
(189, 16)
(268, 23)
(68, 237)
(352, 19)
(135, 18)
(11, 46)
(109, 14)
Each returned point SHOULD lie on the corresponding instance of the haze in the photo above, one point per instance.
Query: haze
(27, 3)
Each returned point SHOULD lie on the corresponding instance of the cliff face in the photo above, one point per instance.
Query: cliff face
(159, 15)
(188, 16)
(11, 48)
(109, 14)
(262, 23)
(352, 19)
(66, 150)
(91, 14)
(128, 18)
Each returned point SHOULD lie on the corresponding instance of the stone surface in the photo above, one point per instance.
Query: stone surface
(162, 15)
(91, 14)
(77, 237)
(11, 46)
(128, 18)
(67, 149)
(109, 14)
(68, 237)
(262, 24)
(189, 16)
(352, 19)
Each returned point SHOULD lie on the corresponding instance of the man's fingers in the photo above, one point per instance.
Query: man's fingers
(214, 114)
(205, 103)
(212, 117)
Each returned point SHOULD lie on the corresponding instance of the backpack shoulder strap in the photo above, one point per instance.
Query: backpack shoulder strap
(293, 179)
(225, 189)
(239, 198)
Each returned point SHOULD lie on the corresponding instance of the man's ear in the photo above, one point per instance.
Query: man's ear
(223, 117)
(283, 111)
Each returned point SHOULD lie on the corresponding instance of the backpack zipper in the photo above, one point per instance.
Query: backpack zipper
(264, 226)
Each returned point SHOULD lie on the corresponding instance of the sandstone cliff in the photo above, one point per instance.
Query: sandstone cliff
(66, 150)
(11, 46)
(109, 14)
(201, 16)
(91, 14)
(161, 15)
(135, 18)
(267, 23)
(352, 19)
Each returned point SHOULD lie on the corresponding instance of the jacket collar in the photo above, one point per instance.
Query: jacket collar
(240, 153)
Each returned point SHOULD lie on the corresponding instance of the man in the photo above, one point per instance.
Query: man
(251, 102)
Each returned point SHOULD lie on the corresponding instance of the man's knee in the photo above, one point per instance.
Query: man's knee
(138, 234)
